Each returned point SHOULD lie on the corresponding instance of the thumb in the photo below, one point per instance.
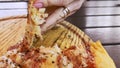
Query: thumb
(46, 3)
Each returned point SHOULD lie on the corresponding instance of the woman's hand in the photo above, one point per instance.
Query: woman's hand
(66, 8)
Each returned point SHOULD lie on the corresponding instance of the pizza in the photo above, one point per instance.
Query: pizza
(22, 56)
(36, 17)
(25, 55)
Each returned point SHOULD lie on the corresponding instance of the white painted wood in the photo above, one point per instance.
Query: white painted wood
(102, 21)
(95, 21)
(11, 5)
(105, 35)
(101, 3)
(87, 4)
(99, 11)
(7, 13)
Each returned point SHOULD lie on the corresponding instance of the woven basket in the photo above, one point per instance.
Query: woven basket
(64, 34)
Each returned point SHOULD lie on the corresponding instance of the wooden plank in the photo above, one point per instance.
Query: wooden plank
(98, 11)
(8, 0)
(87, 4)
(114, 52)
(81, 12)
(101, 3)
(6, 13)
(13, 5)
(13, 0)
(105, 35)
(114, 11)
(95, 21)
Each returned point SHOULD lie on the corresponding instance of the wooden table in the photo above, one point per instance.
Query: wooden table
(99, 19)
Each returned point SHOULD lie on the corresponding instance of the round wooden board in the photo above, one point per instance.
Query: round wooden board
(64, 34)
(12, 31)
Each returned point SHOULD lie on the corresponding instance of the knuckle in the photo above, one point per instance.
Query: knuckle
(61, 2)
(64, 2)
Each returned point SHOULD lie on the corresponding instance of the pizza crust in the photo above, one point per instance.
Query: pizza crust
(102, 59)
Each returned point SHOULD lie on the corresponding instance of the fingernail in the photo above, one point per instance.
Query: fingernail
(38, 5)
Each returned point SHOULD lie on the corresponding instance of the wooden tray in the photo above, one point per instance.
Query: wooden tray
(12, 31)
(64, 34)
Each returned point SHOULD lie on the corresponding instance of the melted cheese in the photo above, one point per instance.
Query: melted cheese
(51, 55)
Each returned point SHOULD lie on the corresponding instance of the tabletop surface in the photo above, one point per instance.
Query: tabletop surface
(99, 19)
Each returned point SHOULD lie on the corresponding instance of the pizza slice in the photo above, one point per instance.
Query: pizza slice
(36, 17)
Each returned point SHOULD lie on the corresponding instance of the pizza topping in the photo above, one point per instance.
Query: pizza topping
(70, 65)
(36, 17)
(90, 58)
(13, 47)
(25, 57)
(64, 60)
(7, 62)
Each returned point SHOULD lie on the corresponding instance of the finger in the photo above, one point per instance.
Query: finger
(46, 3)
(62, 19)
(75, 5)
(52, 19)
(56, 16)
